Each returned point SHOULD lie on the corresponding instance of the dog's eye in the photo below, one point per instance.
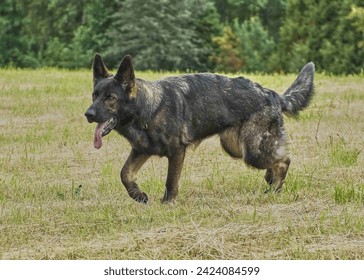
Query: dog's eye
(94, 96)
(112, 96)
(107, 98)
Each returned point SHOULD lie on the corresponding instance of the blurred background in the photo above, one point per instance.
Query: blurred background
(262, 36)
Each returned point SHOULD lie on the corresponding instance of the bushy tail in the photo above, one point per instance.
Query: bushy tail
(298, 96)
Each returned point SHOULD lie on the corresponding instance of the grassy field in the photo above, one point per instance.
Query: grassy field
(62, 199)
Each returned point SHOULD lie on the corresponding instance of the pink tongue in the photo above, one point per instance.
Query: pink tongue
(98, 135)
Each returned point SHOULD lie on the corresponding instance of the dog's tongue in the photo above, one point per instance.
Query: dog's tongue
(98, 135)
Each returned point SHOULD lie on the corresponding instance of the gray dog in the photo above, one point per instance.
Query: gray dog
(165, 117)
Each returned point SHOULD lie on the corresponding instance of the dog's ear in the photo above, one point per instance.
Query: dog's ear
(99, 69)
(125, 75)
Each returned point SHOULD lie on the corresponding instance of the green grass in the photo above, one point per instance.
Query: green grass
(62, 199)
(341, 155)
(349, 193)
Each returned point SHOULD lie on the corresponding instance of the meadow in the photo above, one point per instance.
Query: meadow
(62, 199)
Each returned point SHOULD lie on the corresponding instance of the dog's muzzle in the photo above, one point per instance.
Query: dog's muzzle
(90, 114)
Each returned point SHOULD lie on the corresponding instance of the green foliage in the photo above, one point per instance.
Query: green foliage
(189, 35)
(256, 46)
(357, 17)
(342, 51)
(245, 47)
(13, 43)
(240, 9)
(226, 54)
(91, 35)
(320, 31)
(164, 34)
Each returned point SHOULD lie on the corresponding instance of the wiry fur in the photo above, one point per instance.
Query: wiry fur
(166, 116)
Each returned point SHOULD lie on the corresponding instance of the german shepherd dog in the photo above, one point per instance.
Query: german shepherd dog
(164, 117)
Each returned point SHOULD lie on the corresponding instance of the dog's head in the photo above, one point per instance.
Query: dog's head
(113, 97)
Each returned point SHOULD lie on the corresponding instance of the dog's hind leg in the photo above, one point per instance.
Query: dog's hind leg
(132, 165)
(269, 176)
(175, 164)
(276, 174)
(264, 146)
(230, 142)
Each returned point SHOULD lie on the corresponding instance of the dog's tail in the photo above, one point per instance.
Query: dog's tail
(298, 96)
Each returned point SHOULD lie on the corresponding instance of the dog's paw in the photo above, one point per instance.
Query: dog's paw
(141, 197)
(169, 197)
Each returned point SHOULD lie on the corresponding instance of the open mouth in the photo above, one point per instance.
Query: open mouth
(103, 129)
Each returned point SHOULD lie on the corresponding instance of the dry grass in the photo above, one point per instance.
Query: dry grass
(62, 199)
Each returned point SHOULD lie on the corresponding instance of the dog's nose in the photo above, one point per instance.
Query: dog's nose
(90, 115)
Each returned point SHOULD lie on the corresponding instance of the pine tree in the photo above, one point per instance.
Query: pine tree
(320, 31)
(226, 55)
(163, 34)
(256, 46)
(14, 45)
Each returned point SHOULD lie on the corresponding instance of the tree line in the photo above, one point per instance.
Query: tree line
(185, 35)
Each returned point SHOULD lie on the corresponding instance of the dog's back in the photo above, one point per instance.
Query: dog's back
(206, 104)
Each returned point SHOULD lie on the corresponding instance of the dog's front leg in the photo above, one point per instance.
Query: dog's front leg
(132, 165)
(175, 164)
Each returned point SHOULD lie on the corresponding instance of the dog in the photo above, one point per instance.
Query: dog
(165, 117)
